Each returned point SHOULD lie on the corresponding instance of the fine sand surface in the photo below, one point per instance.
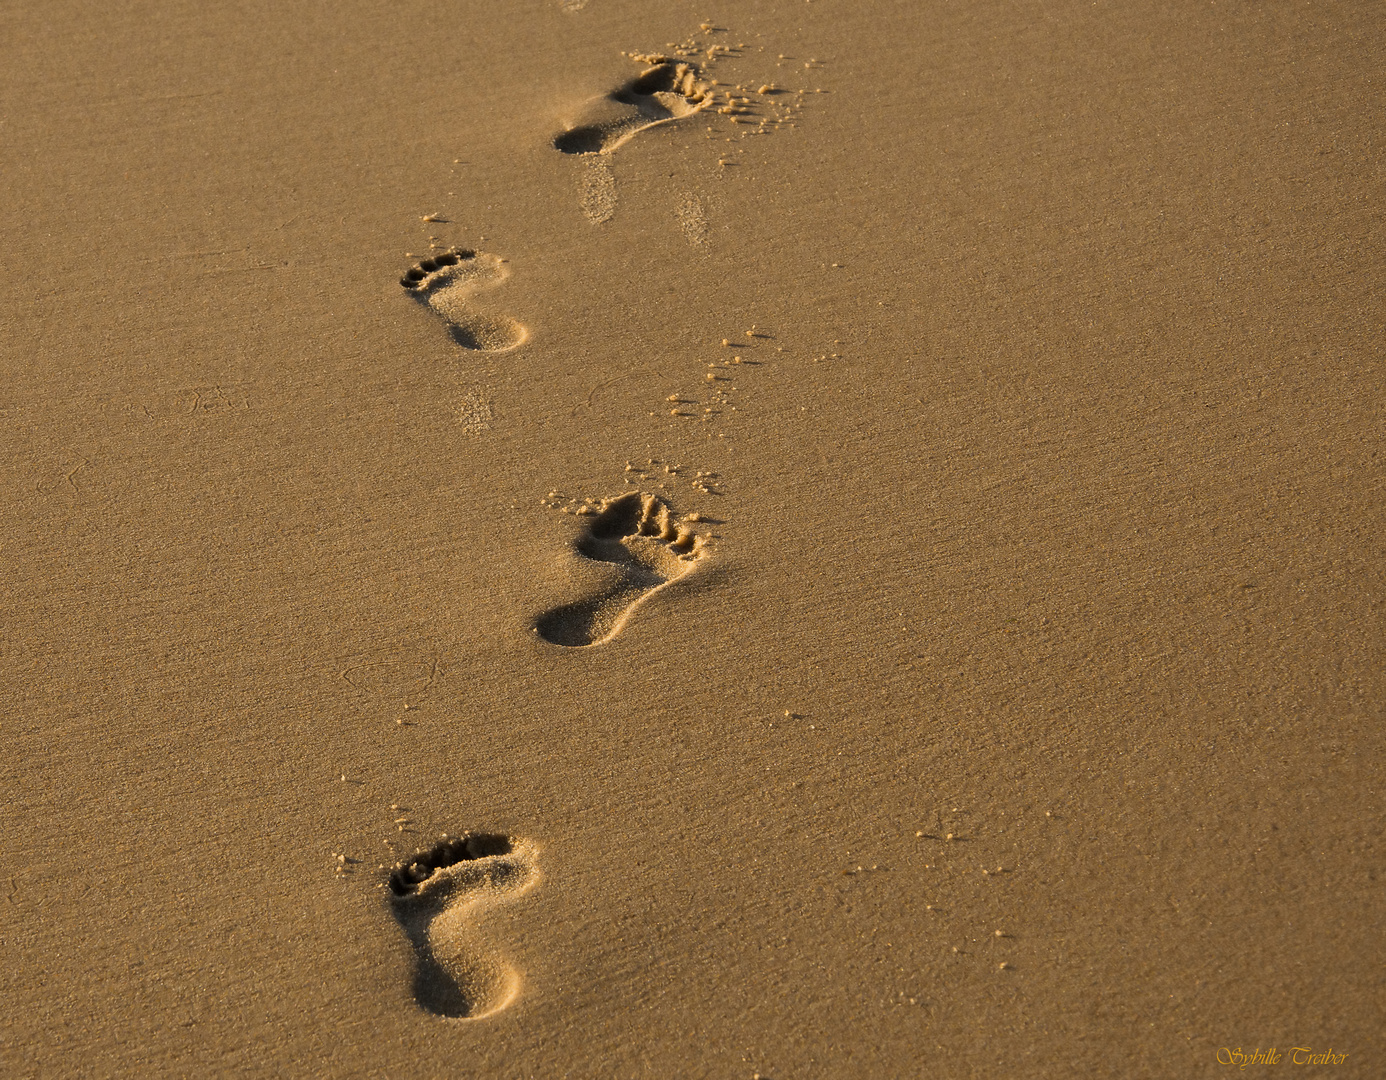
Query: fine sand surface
(977, 669)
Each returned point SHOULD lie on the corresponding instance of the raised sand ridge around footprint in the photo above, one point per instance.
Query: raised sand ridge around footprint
(438, 897)
(639, 538)
(663, 93)
(447, 284)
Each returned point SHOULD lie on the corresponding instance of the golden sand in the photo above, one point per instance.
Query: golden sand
(873, 559)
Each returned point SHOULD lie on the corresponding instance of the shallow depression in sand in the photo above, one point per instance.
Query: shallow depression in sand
(639, 536)
(448, 285)
(438, 897)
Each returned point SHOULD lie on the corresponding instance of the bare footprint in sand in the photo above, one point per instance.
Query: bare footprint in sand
(645, 549)
(447, 283)
(438, 897)
(661, 94)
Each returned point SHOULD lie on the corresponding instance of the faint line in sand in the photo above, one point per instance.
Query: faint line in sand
(403, 677)
(73, 472)
(218, 400)
(587, 404)
(130, 100)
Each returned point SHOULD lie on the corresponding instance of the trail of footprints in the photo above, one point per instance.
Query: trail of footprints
(637, 546)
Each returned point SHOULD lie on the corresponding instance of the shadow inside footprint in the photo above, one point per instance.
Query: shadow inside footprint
(436, 897)
(446, 284)
(636, 534)
(665, 92)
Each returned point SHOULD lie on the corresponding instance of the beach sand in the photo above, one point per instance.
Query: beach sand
(1012, 705)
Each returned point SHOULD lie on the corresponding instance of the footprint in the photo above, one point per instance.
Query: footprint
(663, 93)
(692, 220)
(437, 897)
(639, 537)
(447, 282)
(598, 199)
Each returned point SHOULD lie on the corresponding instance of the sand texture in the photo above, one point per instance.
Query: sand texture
(596, 538)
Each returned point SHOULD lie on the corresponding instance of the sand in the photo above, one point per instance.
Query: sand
(1013, 704)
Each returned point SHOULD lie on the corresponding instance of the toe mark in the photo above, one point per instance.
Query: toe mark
(407, 876)
(420, 270)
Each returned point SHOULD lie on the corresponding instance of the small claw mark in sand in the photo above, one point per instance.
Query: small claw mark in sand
(446, 283)
(438, 896)
(665, 92)
(73, 472)
(639, 536)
